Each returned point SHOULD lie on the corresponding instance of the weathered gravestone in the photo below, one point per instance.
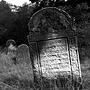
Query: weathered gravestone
(23, 56)
(53, 50)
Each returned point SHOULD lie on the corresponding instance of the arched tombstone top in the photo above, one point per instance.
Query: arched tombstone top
(23, 57)
(23, 53)
(22, 46)
(50, 20)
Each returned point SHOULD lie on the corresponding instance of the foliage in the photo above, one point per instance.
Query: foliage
(21, 24)
(6, 18)
(15, 22)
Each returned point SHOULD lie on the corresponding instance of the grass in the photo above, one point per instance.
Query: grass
(18, 75)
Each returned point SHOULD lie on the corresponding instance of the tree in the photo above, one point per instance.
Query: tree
(6, 19)
(44, 3)
(20, 30)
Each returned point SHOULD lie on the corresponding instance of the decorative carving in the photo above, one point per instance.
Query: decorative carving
(48, 21)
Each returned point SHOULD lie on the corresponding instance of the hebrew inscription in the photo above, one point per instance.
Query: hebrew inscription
(54, 57)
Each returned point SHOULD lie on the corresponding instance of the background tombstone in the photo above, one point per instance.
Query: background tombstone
(23, 53)
(23, 56)
(53, 50)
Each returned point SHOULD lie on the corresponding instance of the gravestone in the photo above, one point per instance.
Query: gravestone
(23, 53)
(53, 50)
(23, 57)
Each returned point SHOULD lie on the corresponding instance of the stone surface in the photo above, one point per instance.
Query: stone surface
(54, 57)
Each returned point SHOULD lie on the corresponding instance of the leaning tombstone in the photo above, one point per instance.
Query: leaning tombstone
(53, 50)
(23, 53)
(23, 57)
